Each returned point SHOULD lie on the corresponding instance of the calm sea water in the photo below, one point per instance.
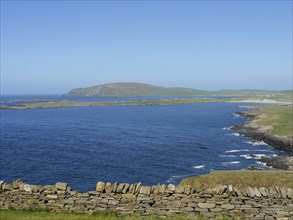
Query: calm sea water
(148, 144)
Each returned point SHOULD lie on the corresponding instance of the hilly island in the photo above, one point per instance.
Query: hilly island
(132, 89)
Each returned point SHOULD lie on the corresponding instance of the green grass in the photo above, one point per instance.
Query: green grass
(167, 92)
(63, 104)
(241, 179)
(279, 118)
(11, 214)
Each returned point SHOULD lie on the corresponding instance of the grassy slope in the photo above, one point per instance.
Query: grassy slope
(167, 92)
(280, 118)
(242, 178)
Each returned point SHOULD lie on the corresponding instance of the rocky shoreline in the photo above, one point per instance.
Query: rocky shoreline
(252, 130)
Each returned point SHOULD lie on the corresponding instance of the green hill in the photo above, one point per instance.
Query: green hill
(133, 89)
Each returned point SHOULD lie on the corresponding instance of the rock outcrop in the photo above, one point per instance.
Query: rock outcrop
(282, 162)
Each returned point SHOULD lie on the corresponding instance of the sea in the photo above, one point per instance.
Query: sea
(150, 144)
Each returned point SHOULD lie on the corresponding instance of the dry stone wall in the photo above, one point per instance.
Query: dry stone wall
(160, 200)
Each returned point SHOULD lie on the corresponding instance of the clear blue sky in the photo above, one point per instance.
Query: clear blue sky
(51, 47)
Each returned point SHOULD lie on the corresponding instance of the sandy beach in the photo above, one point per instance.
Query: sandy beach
(268, 101)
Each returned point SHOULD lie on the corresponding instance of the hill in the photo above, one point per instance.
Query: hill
(133, 89)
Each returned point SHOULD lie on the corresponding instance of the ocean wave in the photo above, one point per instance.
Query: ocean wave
(253, 156)
(228, 128)
(236, 115)
(230, 163)
(261, 163)
(263, 150)
(256, 143)
(199, 167)
(234, 151)
(246, 156)
(236, 134)
(229, 155)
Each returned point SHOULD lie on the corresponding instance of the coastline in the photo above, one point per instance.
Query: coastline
(254, 130)
(264, 101)
(65, 104)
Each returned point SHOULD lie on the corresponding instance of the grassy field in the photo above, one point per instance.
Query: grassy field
(63, 104)
(46, 215)
(279, 119)
(242, 178)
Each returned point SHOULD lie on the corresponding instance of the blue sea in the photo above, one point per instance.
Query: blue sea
(149, 144)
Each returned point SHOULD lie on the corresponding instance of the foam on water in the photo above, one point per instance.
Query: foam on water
(230, 155)
(234, 151)
(256, 143)
(228, 128)
(261, 163)
(246, 156)
(236, 115)
(253, 156)
(199, 167)
(262, 150)
(236, 134)
(230, 163)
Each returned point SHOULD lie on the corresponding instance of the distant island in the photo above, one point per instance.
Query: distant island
(135, 89)
(131, 89)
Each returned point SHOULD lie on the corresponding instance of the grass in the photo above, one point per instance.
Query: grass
(165, 92)
(278, 118)
(11, 214)
(241, 179)
(63, 104)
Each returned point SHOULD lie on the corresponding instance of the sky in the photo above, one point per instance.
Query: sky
(51, 47)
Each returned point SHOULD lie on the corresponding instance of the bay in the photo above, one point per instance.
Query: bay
(148, 144)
